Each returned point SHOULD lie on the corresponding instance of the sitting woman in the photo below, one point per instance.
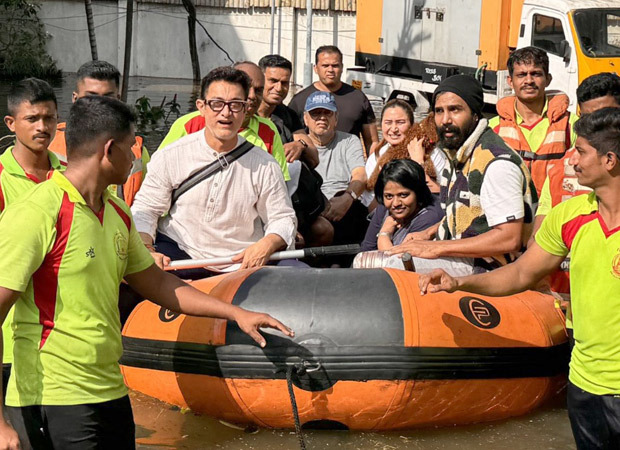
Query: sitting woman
(405, 205)
(403, 139)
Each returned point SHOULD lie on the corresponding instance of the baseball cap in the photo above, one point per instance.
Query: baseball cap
(320, 99)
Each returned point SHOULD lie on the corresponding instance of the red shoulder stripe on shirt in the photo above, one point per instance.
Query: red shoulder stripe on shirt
(194, 124)
(1, 191)
(267, 135)
(45, 279)
(124, 216)
(572, 227)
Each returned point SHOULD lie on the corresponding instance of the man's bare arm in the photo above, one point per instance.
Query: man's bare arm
(8, 436)
(519, 276)
(172, 293)
(370, 136)
(503, 238)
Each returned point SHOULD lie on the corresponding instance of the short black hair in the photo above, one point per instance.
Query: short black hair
(275, 61)
(99, 70)
(327, 49)
(228, 74)
(407, 173)
(602, 130)
(529, 55)
(92, 117)
(599, 85)
(399, 103)
(30, 90)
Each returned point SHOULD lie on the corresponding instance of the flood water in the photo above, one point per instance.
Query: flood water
(161, 426)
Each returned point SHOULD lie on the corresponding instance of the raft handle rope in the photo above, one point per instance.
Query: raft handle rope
(300, 368)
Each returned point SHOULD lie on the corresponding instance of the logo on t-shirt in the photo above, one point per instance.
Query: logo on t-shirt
(120, 245)
(615, 265)
(90, 253)
(479, 312)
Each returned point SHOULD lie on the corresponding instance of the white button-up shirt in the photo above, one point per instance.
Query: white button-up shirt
(222, 215)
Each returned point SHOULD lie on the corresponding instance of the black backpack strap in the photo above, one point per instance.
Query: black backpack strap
(222, 162)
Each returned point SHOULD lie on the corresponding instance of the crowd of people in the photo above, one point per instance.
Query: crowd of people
(492, 206)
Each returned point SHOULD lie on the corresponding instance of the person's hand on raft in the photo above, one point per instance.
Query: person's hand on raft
(437, 281)
(250, 322)
(9, 440)
(417, 248)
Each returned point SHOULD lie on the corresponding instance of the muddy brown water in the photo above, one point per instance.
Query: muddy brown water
(159, 425)
(163, 426)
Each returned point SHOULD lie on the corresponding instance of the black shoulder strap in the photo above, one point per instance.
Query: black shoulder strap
(220, 163)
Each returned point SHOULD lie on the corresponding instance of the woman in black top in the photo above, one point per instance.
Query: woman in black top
(406, 205)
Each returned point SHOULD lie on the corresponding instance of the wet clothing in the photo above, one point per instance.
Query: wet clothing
(472, 205)
(14, 182)
(138, 168)
(594, 419)
(337, 161)
(106, 425)
(260, 131)
(576, 226)
(68, 263)
(222, 215)
(424, 219)
(541, 144)
(354, 109)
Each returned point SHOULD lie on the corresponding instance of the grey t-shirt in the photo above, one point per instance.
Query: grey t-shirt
(337, 160)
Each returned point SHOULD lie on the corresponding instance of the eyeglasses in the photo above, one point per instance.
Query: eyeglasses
(233, 106)
(317, 113)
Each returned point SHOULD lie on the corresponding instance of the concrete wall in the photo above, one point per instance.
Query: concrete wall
(160, 41)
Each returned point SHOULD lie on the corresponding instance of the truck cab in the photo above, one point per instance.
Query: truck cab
(407, 47)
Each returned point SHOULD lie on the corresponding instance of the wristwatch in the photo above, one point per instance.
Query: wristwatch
(385, 233)
(352, 194)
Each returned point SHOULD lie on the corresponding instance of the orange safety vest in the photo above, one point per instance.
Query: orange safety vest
(557, 141)
(128, 190)
(563, 185)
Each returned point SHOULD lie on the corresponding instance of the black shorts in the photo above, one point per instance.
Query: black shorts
(107, 425)
(594, 419)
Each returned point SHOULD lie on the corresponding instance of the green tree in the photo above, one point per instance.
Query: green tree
(22, 42)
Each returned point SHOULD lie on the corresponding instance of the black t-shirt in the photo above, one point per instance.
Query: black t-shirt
(287, 122)
(354, 110)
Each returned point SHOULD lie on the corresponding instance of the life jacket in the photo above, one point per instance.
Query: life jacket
(126, 191)
(461, 185)
(557, 140)
(563, 185)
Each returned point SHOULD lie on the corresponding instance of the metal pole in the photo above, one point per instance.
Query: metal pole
(127, 56)
(308, 65)
(273, 26)
(91, 29)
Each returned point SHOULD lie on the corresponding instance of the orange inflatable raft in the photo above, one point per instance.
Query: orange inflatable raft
(372, 353)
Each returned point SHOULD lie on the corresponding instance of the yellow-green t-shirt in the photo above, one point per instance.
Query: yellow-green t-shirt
(260, 131)
(14, 182)
(575, 225)
(68, 263)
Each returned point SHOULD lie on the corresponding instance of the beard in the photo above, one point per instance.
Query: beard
(459, 134)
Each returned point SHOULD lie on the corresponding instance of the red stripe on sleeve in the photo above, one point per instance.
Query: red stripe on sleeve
(572, 227)
(195, 124)
(1, 190)
(266, 134)
(122, 213)
(45, 279)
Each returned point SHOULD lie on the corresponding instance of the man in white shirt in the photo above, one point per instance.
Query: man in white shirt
(242, 210)
(486, 190)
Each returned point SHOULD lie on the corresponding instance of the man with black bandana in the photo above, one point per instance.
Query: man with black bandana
(486, 190)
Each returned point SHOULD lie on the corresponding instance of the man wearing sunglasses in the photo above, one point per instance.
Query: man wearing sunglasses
(241, 210)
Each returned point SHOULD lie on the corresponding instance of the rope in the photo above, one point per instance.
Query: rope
(291, 394)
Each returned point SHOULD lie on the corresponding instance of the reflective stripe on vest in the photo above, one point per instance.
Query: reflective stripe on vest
(556, 142)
